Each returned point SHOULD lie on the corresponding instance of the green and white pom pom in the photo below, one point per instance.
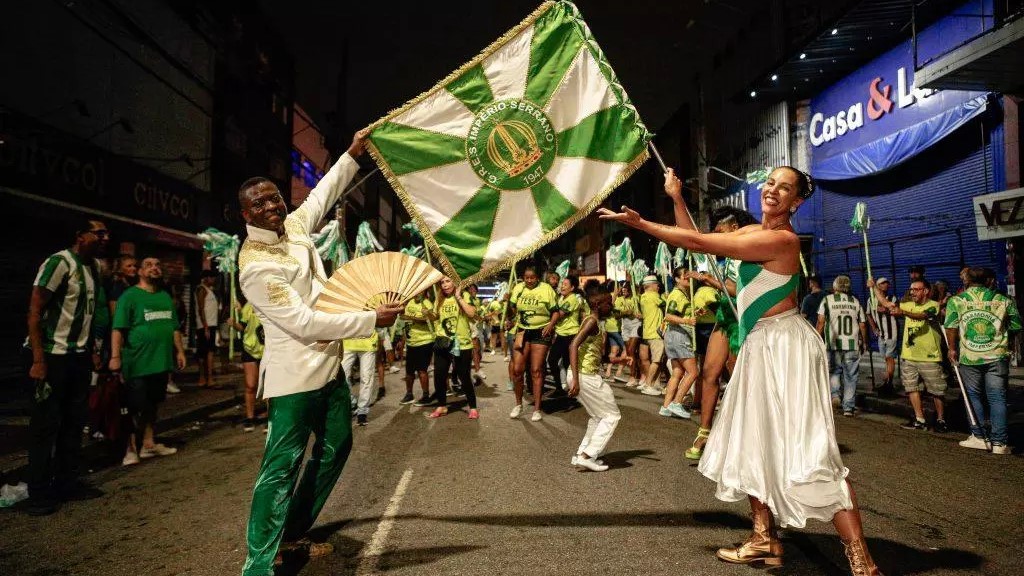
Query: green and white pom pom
(413, 231)
(366, 242)
(414, 251)
(860, 221)
(638, 270)
(329, 244)
(501, 292)
(679, 259)
(222, 246)
(662, 260)
(563, 269)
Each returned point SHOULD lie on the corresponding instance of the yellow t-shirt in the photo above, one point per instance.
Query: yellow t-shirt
(573, 306)
(653, 312)
(705, 300)
(453, 322)
(677, 305)
(534, 305)
(920, 338)
(368, 344)
(418, 332)
(590, 352)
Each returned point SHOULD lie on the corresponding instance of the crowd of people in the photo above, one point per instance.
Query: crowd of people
(680, 343)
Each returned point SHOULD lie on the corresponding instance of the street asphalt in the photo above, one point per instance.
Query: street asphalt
(498, 496)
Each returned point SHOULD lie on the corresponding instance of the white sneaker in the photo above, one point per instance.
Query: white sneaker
(576, 458)
(591, 464)
(974, 442)
(631, 383)
(1002, 449)
(493, 352)
(506, 358)
(157, 450)
(172, 388)
(516, 411)
(537, 416)
(648, 391)
(393, 369)
(677, 410)
(480, 374)
(130, 459)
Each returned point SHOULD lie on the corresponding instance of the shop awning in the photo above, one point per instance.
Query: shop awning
(993, 61)
(899, 146)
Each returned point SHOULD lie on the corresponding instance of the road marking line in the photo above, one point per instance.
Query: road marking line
(371, 557)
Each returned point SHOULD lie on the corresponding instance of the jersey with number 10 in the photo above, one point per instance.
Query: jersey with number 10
(843, 317)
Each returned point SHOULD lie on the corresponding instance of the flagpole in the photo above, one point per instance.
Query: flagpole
(867, 262)
(713, 266)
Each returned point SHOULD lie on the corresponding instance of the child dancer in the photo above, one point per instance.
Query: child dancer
(593, 392)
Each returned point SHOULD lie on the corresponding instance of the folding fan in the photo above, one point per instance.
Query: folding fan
(376, 279)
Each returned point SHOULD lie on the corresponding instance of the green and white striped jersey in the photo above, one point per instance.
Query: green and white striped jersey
(67, 318)
(843, 317)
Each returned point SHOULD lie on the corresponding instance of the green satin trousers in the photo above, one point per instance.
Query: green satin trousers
(280, 509)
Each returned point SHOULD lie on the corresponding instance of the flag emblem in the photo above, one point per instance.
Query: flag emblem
(513, 148)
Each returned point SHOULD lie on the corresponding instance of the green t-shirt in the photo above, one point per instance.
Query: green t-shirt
(677, 305)
(653, 312)
(705, 302)
(573, 308)
(920, 338)
(418, 331)
(534, 305)
(984, 318)
(253, 340)
(453, 323)
(149, 321)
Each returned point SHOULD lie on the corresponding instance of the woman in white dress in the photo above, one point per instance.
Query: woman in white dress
(775, 441)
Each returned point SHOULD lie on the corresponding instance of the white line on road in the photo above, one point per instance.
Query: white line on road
(371, 557)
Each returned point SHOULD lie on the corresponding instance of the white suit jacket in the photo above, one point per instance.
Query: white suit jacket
(282, 277)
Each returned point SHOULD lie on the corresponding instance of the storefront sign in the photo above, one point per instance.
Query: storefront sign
(999, 215)
(876, 118)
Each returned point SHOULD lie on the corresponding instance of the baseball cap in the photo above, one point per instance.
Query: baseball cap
(882, 279)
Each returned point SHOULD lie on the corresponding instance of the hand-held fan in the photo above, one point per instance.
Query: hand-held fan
(376, 279)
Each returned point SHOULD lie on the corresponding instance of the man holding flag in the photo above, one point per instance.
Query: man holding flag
(281, 275)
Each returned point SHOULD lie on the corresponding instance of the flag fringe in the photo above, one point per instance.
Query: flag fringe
(491, 49)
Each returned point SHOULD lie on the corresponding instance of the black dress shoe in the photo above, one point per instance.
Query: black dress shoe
(78, 490)
(42, 506)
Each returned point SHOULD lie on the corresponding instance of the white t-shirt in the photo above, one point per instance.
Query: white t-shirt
(843, 317)
(210, 308)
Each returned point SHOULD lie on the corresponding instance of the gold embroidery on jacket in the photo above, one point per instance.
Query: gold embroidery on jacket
(279, 293)
(255, 251)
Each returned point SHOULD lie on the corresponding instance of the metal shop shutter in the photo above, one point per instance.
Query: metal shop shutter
(921, 212)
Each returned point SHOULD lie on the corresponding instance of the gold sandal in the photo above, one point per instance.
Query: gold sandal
(694, 452)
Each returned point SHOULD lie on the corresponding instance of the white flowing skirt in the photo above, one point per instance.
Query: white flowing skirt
(774, 437)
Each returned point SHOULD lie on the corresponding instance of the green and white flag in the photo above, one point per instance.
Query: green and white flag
(514, 147)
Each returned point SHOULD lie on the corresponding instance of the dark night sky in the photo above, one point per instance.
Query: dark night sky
(399, 49)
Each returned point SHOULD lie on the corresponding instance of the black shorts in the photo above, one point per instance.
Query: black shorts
(246, 357)
(205, 345)
(144, 393)
(417, 358)
(703, 335)
(536, 337)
